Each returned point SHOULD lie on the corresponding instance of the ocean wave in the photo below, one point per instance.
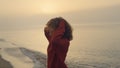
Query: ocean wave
(21, 57)
(38, 58)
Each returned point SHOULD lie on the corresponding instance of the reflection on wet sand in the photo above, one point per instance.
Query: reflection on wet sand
(4, 63)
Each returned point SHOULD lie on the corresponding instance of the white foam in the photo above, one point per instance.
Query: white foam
(13, 54)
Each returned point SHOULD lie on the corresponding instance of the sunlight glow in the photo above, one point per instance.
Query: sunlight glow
(49, 8)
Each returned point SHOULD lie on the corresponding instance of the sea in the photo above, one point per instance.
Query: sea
(93, 46)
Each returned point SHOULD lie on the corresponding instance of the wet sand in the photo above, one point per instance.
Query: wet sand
(4, 63)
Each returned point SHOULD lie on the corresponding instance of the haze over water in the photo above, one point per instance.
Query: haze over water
(96, 28)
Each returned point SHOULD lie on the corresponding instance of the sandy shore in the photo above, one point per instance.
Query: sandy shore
(4, 63)
(12, 56)
(38, 58)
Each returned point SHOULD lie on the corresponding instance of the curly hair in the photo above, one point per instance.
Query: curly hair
(54, 23)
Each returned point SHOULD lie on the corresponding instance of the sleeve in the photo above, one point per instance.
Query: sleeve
(59, 32)
(47, 34)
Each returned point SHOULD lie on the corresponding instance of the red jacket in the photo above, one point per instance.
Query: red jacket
(57, 48)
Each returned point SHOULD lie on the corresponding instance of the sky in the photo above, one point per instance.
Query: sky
(33, 13)
(51, 6)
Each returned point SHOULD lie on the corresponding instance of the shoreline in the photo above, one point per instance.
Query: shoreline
(38, 58)
(4, 63)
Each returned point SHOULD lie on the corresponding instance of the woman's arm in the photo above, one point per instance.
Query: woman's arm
(59, 32)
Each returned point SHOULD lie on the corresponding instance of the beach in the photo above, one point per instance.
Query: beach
(95, 30)
(12, 56)
(4, 63)
(92, 47)
(39, 60)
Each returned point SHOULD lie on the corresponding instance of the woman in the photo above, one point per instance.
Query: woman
(59, 34)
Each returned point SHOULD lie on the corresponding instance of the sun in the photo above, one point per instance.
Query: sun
(49, 8)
